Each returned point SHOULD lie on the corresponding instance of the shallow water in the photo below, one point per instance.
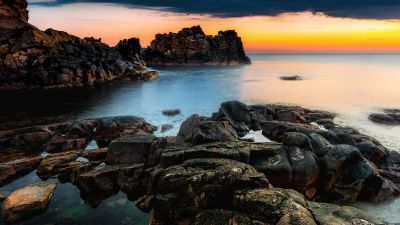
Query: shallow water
(351, 85)
(67, 207)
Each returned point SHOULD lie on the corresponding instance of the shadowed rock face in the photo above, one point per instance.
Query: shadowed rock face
(31, 58)
(192, 46)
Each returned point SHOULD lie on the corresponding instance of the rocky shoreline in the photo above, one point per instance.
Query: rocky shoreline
(31, 58)
(206, 175)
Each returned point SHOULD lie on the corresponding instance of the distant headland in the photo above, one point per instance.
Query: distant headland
(31, 58)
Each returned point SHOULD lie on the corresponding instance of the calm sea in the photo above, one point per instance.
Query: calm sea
(353, 86)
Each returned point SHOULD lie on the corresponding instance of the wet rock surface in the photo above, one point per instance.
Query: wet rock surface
(27, 202)
(389, 117)
(31, 58)
(192, 46)
(206, 175)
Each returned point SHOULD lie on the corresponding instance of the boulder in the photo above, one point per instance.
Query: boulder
(196, 130)
(27, 202)
(191, 46)
(344, 173)
(130, 149)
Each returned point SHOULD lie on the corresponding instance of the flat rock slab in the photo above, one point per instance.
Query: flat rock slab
(130, 149)
(17, 168)
(27, 202)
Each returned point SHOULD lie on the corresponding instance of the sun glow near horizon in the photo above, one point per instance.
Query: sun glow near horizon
(289, 32)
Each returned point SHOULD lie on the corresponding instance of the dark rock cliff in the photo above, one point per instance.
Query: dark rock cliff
(31, 58)
(192, 46)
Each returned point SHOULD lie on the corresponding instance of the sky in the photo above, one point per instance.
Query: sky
(266, 26)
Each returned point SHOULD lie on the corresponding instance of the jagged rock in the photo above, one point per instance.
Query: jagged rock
(192, 46)
(27, 202)
(196, 130)
(17, 168)
(130, 149)
(50, 165)
(31, 58)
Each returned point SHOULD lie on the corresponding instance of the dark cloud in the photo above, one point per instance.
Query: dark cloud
(369, 9)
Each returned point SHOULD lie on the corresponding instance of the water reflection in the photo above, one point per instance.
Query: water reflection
(67, 207)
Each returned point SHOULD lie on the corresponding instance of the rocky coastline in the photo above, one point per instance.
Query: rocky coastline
(206, 174)
(191, 46)
(31, 58)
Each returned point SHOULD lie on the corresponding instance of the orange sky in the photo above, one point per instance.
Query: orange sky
(301, 32)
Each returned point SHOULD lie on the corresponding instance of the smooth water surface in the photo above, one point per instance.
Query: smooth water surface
(351, 85)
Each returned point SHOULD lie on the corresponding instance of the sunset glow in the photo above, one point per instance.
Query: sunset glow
(289, 32)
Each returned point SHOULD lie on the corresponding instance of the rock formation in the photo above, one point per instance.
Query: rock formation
(205, 175)
(31, 58)
(191, 46)
(389, 117)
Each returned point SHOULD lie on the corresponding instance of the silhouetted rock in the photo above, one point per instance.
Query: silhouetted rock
(291, 78)
(191, 46)
(31, 58)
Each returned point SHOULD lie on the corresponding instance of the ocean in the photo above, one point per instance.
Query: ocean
(351, 85)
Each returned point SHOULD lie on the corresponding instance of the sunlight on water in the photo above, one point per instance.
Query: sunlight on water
(353, 86)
